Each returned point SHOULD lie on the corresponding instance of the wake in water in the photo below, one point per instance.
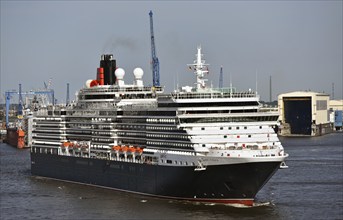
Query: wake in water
(256, 204)
(235, 205)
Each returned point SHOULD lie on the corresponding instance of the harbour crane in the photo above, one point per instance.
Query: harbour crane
(47, 87)
(9, 94)
(154, 62)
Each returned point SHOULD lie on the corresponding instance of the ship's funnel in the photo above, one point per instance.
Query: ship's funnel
(100, 76)
(109, 66)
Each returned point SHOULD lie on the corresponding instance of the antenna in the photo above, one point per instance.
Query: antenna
(221, 78)
(270, 89)
(333, 91)
(256, 82)
(20, 105)
(67, 99)
(198, 66)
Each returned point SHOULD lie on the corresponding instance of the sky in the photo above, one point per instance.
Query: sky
(296, 43)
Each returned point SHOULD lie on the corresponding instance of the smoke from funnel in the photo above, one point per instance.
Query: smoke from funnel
(114, 43)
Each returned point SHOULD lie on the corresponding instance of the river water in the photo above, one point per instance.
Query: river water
(311, 188)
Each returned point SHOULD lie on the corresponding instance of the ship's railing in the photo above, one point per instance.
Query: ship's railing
(141, 106)
(122, 89)
(57, 107)
(85, 151)
(92, 105)
(208, 95)
(41, 112)
(246, 147)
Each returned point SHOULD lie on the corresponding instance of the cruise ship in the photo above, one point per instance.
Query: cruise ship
(196, 143)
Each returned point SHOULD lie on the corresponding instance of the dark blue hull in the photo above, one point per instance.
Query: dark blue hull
(221, 184)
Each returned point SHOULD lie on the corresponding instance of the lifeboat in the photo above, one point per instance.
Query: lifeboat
(124, 149)
(139, 150)
(116, 148)
(65, 144)
(131, 149)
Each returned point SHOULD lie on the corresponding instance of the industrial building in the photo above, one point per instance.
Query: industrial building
(336, 107)
(304, 113)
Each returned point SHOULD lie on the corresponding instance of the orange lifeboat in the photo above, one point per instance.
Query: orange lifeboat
(139, 150)
(116, 148)
(124, 149)
(67, 144)
(131, 149)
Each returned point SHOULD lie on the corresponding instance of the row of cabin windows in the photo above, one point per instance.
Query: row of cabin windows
(230, 128)
(45, 150)
(168, 136)
(130, 127)
(148, 120)
(160, 120)
(177, 162)
(138, 127)
(159, 128)
(249, 136)
(169, 144)
(79, 126)
(138, 134)
(114, 96)
(229, 119)
(103, 127)
(103, 140)
(101, 133)
(131, 120)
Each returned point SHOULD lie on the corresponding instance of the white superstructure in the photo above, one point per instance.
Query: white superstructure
(191, 126)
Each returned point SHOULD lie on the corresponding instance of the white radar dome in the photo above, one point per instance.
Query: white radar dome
(88, 83)
(138, 72)
(119, 73)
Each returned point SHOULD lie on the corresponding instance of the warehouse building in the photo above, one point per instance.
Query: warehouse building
(304, 113)
(336, 108)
